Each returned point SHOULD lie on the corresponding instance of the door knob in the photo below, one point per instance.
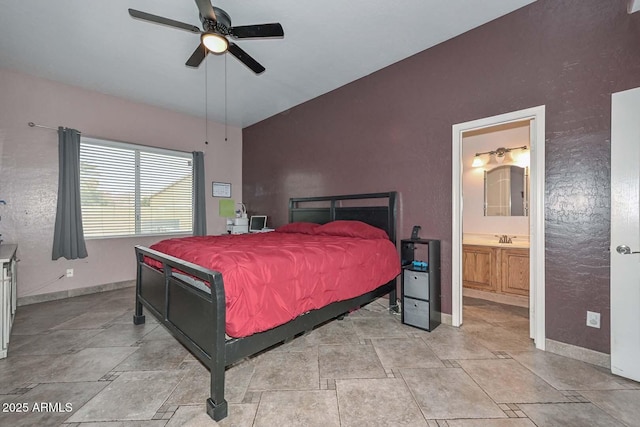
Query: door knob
(626, 250)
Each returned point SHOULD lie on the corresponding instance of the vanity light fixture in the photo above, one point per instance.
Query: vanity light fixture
(499, 155)
(477, 161)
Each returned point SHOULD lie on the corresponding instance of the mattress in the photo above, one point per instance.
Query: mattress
(271, 278)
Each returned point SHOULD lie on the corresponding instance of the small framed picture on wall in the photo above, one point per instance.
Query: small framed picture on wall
(221, 189)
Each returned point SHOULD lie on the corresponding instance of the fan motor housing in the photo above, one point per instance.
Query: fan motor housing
(220, 25)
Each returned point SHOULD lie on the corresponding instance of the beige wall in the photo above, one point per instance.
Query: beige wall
(474, 221)
(29, 173)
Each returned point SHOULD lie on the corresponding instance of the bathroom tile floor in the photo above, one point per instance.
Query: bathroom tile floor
(81, 362)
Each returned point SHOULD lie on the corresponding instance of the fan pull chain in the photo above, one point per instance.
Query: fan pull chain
(225, 98)
(206, 103)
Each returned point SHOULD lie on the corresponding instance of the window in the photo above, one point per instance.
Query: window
(132, 190)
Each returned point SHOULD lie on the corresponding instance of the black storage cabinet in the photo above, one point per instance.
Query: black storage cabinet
(420, 290)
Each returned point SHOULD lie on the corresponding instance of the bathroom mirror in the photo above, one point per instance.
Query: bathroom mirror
(506, 191)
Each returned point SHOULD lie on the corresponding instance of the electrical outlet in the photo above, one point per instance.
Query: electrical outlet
(593, 319)
(69, 272)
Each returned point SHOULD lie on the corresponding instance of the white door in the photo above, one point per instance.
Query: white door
(625, 234)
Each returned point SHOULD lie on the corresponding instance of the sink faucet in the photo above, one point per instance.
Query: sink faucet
(504, 239)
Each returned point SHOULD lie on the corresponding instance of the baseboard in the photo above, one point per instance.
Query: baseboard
(446, 319)
(579, 353)
(34, 299)
(520, 301)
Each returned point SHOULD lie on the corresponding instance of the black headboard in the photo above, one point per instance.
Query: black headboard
(377, 209)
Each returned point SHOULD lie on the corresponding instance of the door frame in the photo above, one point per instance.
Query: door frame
(536, 219)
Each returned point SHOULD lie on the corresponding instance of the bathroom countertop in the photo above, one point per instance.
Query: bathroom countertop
(521, 242)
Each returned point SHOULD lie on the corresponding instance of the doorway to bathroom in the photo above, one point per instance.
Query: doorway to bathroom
(498, 218)
(495, 227)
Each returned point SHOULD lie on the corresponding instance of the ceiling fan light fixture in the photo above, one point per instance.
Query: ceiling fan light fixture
(215, 42)
(216, 26)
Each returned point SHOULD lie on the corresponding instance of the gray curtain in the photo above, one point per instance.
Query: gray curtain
(199, 195)
(68, 237)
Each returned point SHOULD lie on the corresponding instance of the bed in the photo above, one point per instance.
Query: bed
(191, 300)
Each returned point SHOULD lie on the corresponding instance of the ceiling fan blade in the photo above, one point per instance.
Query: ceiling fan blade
(262, 30)
(197, 56)
(206, 10)
(245, 58)
(162, 20)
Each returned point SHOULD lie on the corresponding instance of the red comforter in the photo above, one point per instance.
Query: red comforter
(271, 278)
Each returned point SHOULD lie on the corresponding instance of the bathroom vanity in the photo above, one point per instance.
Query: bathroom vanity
(500, 268)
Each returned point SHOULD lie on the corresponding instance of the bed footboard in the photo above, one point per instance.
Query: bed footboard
(173, 302)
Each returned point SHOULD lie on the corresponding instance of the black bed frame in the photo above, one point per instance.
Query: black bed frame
(197, 318)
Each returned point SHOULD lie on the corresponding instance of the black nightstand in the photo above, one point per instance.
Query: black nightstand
(420, 288)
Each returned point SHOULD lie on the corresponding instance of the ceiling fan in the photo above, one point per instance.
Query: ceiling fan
(216, 28)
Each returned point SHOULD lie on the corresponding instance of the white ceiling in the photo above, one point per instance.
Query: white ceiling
(327, 44)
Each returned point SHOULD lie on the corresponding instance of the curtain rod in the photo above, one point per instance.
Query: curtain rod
(34, 125)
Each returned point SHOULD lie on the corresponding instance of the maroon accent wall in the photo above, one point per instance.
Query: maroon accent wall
(392, 131)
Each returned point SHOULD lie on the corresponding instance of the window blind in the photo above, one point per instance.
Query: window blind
(129, 190)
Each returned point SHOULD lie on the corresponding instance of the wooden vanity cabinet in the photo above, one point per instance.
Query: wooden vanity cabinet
(515, 271)
(479, 267)
(496, 269)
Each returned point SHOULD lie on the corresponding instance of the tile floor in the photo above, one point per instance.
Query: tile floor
(81, 362)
